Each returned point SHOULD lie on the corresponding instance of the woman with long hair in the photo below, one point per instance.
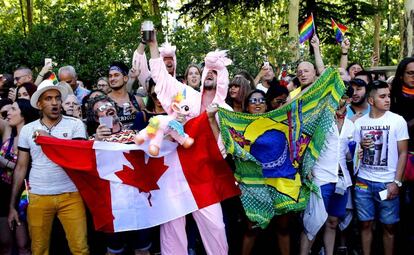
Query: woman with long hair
(239, 87)
(402, 101)
(192, 76)
(20, 113)
(25, 91)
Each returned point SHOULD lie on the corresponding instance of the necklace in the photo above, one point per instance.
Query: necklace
(49, 129)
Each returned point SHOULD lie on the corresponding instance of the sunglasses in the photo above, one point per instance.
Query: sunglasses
(257, 100)
(105, 107)
(18, 78)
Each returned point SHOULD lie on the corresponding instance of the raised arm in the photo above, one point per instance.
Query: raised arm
(42, 73)
(344, 53)
(140, 66)
(167, 86)
(318, 57)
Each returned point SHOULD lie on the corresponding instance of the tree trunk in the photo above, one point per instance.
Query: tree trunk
(402, 29)
(23, 19)
(294, 27)
(409, 33)
(156, 13)
(377, 31)
(29, 12)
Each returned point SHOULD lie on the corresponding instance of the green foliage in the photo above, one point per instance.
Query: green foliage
(87, 37)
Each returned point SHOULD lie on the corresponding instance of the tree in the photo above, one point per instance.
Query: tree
(409, 24)
(377, 30)
(293, 24)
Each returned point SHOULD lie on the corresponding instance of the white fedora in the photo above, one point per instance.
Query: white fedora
(45, 86)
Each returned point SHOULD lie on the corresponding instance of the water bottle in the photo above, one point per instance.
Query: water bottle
(351, 146)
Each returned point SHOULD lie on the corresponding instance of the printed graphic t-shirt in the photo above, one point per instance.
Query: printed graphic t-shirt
(379, 162)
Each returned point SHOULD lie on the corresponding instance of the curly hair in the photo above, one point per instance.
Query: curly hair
(91, 122)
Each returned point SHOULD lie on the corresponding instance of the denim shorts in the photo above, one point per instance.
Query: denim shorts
(369, 205)
(335, 204)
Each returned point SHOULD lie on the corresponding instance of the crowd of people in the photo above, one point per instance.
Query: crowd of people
(375, 112)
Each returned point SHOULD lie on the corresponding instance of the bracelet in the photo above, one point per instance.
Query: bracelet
(40, 75)
(143, 42)
(345, 53)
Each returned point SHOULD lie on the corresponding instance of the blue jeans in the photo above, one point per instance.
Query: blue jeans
(370, 206)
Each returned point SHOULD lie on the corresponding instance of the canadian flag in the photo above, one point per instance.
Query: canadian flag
(125, 189)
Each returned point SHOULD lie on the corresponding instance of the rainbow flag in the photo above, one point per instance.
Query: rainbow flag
(24, 201)
(339, 31)
(53, 78)
(307, 29)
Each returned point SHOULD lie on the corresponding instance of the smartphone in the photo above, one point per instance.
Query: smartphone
(266, 64)
(107, 121)
(383, 194)
(48, 62)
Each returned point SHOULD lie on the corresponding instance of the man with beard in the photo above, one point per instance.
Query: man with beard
(126, 104)
(68, 75)
(359, 105)
(213, 91)
(52, 192)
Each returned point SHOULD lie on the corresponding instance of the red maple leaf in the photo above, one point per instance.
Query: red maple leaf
(143, 176)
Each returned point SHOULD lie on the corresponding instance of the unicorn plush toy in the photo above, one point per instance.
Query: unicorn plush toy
(162, 125)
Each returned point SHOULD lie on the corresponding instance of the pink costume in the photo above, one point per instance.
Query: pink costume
(139, 62)
(167, 50)
(209, 219)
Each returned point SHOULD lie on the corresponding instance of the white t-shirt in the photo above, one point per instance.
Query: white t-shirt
(379, 163)
(334, 155)
(261, 87)
(47, 178)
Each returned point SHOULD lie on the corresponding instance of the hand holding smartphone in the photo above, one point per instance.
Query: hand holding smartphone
(107, 121)
(48, 62)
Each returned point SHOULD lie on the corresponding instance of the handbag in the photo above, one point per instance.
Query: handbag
(409, 168)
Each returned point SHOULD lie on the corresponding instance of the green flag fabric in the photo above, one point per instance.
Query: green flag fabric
(274, 152)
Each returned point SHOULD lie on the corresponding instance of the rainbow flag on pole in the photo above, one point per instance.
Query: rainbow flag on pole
(307, 29)
(339, 31)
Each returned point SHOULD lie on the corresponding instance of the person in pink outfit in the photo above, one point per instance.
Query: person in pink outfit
(140, 66)
(215, 80)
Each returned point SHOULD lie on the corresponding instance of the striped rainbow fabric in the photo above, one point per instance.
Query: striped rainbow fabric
(306, 30)
(339, 30)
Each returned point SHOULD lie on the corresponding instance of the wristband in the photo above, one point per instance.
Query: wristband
(143, 42)
(346, 53)
(40, 75)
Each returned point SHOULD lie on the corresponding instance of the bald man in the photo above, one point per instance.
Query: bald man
(306, 74)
